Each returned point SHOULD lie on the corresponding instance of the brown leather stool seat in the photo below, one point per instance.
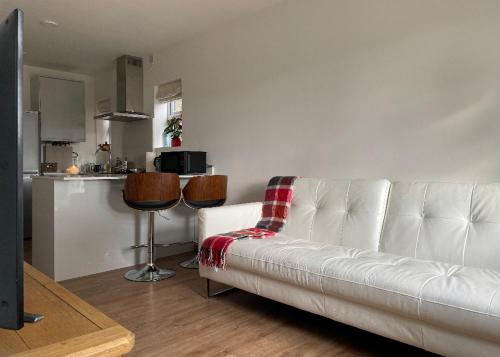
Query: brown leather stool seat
(204, 192)
(205, 204)
(151, 192)
(151, 205)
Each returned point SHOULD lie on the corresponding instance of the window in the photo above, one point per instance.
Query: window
(167, 128)
(173, 122)
(175, 108)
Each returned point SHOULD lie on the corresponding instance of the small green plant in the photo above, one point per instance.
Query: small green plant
(174, 127)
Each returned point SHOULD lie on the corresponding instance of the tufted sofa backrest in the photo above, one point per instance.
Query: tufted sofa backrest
(447, 222)
(340, 212)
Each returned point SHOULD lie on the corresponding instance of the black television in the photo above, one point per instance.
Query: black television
(11, 177)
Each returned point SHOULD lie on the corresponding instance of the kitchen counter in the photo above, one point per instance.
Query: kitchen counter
(81, 226)
(65, 177)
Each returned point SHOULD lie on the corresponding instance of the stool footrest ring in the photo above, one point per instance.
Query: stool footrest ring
(163, 245)
(145, 245)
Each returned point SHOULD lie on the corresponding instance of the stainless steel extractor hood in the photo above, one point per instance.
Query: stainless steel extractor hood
(129, 91)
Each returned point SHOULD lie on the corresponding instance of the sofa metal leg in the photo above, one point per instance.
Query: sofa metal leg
(190, 264)
(220, 292)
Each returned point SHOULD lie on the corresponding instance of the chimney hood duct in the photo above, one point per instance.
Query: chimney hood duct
(129, 91)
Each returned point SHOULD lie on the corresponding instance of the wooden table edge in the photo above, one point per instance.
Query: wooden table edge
(112, 340)
(91, 313)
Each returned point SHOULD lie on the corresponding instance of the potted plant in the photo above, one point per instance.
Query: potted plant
(174, 129)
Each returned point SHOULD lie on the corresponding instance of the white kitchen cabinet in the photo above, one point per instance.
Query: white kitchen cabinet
(61, 103)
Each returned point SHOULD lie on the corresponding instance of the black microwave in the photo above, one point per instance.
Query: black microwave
(182, 162)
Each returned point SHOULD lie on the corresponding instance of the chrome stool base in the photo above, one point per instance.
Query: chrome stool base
(149, 273)
(190, 264)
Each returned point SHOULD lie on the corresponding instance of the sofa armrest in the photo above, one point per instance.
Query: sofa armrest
(224, 219)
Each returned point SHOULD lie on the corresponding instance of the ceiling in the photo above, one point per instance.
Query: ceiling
(92, 33)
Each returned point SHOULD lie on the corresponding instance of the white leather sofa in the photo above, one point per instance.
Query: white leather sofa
(415, 262)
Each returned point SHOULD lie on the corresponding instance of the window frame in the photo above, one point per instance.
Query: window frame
(170, 109)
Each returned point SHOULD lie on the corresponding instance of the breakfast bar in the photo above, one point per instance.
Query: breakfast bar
(81, 226)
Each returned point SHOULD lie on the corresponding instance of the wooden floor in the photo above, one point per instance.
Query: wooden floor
(173, 318)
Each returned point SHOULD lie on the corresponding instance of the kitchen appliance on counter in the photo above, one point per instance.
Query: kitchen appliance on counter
(48, 167)
(31, 162)
(60, 153)
(182, 162)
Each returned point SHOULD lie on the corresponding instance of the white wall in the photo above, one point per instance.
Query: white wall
(407, 90)
(95, 131)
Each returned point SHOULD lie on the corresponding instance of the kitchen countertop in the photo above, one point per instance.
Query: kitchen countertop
(65, 177)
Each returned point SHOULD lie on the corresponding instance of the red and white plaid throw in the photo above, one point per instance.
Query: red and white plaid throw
(277, 201)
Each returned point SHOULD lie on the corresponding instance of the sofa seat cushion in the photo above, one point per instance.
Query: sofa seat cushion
(461, 298)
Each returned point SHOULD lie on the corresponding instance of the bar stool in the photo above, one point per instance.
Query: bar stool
(151, 192)
(203, 192)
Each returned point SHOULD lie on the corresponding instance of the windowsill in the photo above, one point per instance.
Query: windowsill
(170, 148)
(177, 148)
